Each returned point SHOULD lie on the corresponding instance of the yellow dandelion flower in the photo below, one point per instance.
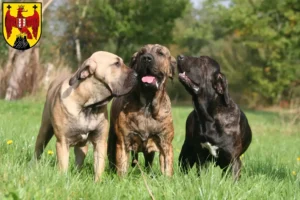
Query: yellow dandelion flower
(298, 159)
(294, 173)
(9, 142)
(50, 152)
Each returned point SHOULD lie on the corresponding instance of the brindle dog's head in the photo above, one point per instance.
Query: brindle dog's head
(153, 64)
(201, 76)
(107, 69)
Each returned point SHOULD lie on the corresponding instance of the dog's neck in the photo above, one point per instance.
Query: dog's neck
(201, 108)
(93, 93)
(150, 100)
(86, 94)
(206, 106)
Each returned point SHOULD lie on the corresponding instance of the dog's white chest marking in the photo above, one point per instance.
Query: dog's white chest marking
(211, 148)
(87, 124)
(85, 136)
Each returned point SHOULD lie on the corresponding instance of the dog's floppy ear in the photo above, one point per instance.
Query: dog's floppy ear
(86, 69)
(221, 86)
(133, 60)
(173, 64)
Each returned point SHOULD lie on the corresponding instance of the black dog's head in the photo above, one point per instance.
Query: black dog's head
(153, 64)
(201, 76)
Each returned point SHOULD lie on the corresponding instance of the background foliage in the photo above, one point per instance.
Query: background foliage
(257, 42)
(121, 27)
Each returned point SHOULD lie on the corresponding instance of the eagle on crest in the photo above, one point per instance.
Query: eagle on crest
(22, 23)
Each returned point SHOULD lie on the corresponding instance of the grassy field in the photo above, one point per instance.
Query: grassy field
(271, 165)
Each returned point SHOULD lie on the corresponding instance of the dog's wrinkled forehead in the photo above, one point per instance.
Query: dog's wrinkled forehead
(105, 58)
(202, 62)
(155, 48)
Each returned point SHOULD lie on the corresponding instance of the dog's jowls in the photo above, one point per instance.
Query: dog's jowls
(75, 110)
(142, 120)
(216, 129)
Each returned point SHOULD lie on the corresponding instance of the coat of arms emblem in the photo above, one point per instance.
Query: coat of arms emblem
(22, 24)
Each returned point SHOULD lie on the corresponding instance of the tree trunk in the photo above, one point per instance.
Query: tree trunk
(19, 79)
(77, 31)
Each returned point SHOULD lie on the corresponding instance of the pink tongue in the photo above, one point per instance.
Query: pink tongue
(148, 79)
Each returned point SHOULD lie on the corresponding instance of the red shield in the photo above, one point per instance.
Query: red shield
(21, 22)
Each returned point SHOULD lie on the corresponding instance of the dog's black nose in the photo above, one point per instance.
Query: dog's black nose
(180, 57)
(147, 58)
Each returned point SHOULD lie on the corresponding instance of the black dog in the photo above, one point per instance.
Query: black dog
(216, 129)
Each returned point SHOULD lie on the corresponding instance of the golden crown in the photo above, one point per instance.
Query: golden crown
(21, 6)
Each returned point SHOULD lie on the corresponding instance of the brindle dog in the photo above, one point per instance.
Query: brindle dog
(142, 121)
(217, 129)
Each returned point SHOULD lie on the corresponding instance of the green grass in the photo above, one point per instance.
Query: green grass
(267, 171)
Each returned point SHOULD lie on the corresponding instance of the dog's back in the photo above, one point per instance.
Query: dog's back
(54, 88)
(246, 132)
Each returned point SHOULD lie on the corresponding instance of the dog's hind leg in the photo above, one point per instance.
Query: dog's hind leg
(236, 169)
(111, 148)
(149, 157)
(135, 158)
(231, 164)
(80, 154)
(44, 136)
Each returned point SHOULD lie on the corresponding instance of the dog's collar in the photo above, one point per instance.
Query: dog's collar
(106, 85)
(103, 101)
(100, 103)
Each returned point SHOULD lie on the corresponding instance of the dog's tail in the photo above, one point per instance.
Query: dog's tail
(44, 136)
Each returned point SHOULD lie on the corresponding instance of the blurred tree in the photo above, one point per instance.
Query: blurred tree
(256, 41)
(119, 26)
(200, 32)
(200, 27)
(271, 29)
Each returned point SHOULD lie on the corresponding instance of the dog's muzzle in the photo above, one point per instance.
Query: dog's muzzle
(129, 83)
(183, 77)
(149, 79)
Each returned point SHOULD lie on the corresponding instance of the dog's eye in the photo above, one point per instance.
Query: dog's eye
(142, 51)
(160, 53)
(118, 64)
